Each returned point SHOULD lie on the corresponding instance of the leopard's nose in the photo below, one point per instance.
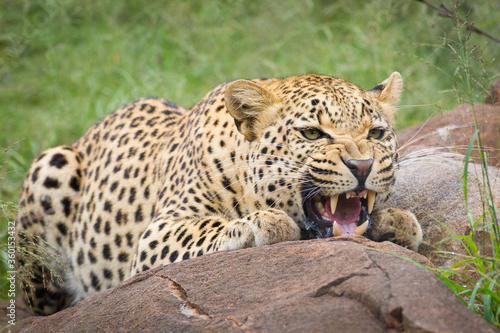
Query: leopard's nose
(360, 169)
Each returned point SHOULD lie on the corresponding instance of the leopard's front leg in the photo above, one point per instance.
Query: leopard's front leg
(168, 241)
(396, 225)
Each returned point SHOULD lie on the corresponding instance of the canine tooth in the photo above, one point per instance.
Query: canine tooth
(333, 203)
(371, 200)
(347, 196)
(364, 195)
(336, 229)
(361, 229)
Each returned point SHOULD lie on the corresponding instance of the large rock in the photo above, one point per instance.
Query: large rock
(432, 188)
(452, 131)
(326, 285)
(430, 180)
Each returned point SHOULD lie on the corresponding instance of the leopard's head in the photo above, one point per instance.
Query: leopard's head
(326, 148)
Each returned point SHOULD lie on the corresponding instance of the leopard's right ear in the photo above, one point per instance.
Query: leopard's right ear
(252, 106)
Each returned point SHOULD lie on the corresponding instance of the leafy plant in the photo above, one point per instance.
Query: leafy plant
(475, 276)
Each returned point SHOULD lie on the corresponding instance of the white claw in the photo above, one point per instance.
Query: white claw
(361, 229)
(371, 200)
(336, 229)
(333, 203)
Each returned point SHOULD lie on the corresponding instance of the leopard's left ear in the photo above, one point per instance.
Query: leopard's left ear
(252, 106)
(389, 93)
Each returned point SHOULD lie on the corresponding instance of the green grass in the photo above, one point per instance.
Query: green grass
(66, 63)
(475, 276)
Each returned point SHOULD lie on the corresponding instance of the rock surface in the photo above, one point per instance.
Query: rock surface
(432, 188)
(323, 285)
(452, 131)
(493, 96)
(430, 179)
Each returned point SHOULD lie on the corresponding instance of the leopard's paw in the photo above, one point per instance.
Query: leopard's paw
(272, 226)
(263, 227)
(396, 225)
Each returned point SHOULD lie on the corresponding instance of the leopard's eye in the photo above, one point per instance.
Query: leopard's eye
(311, 134)
(376, 133)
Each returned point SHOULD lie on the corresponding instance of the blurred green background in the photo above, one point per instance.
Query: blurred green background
(65, 63)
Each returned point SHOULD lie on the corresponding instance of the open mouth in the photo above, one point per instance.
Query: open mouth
(347, 213)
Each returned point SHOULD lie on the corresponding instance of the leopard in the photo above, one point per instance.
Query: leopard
(255, 162)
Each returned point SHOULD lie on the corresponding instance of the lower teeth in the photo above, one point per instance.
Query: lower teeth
(362, 228)
(336, 229)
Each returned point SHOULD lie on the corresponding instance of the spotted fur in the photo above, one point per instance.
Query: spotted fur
(153, 183)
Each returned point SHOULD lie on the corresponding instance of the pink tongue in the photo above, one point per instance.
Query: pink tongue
(346, 214)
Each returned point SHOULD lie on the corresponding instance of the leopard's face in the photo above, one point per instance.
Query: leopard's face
(327, 153)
